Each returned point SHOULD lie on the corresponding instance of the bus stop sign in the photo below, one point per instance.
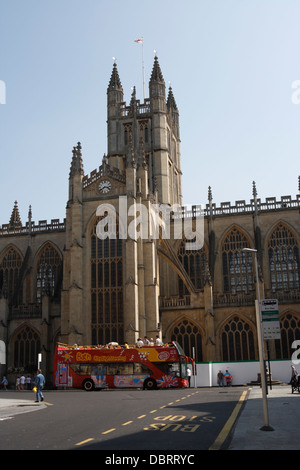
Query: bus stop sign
(270, 319)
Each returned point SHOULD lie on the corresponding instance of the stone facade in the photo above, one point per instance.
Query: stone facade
(64, 281)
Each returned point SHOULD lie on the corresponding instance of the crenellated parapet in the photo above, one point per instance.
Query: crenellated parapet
(55, 225)
(104, 170)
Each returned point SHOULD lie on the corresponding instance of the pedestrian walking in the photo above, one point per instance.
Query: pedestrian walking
(294, 373)
(39, 383)
(4, 383)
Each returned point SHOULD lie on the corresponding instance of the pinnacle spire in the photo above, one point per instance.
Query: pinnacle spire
(171, 103)
(15, 219)
(133, 98)
(115, 82)
(156, 75)
(77, 163)
(254, 190)
(210, 197)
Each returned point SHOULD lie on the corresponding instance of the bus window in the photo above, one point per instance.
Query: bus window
(98, 369)
(169, 368)
(141, 369)
(163, 367)
(119, 368)
(81, 369)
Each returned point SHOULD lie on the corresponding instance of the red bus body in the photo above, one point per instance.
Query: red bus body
(147, 367)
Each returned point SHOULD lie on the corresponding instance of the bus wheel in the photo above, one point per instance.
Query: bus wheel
(150, 384)
(88, 385)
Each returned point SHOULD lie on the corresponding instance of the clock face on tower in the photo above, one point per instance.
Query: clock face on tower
(104, 186)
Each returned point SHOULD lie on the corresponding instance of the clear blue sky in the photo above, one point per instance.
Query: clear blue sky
(231, 64)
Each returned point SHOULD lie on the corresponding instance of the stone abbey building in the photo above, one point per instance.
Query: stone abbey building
(61, 281)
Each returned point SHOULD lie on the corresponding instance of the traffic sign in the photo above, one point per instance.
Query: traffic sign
(270, 319)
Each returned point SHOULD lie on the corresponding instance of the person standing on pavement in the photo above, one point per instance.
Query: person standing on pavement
(220, 377)
(28, 382)
(22, 382)
(228, 378)
(39, 383)
(18, 384)
(189, 374)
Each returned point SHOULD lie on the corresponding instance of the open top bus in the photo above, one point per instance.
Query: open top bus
(114, 366)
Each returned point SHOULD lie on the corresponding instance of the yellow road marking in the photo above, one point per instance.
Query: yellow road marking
(84, 442)
(228, 425)
(109, 430)
(124, 424)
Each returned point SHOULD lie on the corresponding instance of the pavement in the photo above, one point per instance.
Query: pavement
(283, 413)
(10, 407)
(283, 416)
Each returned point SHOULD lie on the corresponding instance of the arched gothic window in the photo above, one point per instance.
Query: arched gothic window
(107, 288)
(237, 340)
(187, 334)
(237, 264)
(194, 263)
(27, 346)
(48, 276)
(10, 267)
(284, 260)
(290, 331)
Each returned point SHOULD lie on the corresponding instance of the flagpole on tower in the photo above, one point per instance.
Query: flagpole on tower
(141, 41)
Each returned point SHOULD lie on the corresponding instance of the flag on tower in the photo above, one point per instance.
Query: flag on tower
(139, 40)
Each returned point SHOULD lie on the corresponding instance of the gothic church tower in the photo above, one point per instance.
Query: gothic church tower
(151, 129)
(111, 285)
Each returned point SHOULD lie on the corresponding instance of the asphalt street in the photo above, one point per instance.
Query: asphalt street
(195, 417)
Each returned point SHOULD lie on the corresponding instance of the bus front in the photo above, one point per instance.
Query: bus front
(181, 366)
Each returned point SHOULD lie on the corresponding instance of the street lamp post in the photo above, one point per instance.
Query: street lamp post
(266, 426)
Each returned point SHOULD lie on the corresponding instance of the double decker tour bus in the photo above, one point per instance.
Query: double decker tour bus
(114, 366)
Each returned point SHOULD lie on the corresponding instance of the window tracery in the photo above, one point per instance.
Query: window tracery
(107, 288)
(48, 271)
(237, 264)
(194, 263)
(27, 346)
(237, 340)
(10, 267)
(289, 331)
(188, 335)
(284, 263)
